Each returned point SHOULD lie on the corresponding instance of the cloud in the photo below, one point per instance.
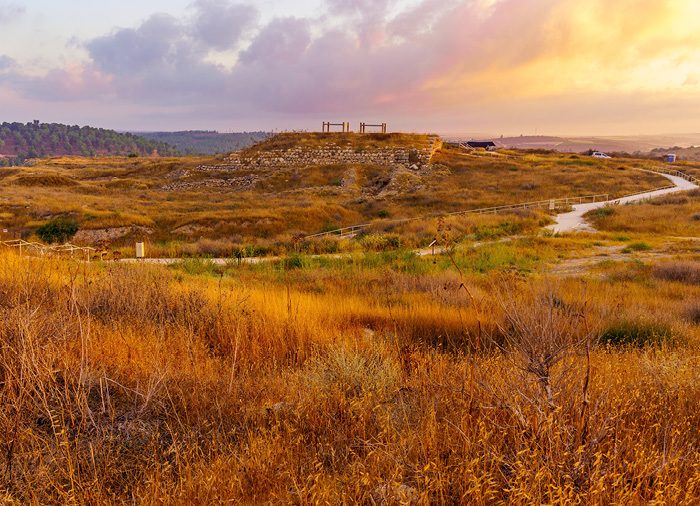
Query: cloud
(133, 50)
(283, 40)
(220, 24)
(6, 63)
(74, 82)
(432, 58)
(9, 12)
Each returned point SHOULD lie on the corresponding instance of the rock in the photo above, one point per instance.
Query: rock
(99, 235)
(395, 493)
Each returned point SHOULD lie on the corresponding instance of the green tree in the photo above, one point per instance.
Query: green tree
(58, 230)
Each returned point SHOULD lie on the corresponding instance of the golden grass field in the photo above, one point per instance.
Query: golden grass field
(673, 215)
(384, 378)
(511, 367)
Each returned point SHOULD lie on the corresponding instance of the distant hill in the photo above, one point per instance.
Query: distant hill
(200, 142)
(691, 154)
(19, 141)
(641, 144)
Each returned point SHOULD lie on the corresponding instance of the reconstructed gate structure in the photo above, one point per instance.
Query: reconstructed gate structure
(327, 125)
(380, 126)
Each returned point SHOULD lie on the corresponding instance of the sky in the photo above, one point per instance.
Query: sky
(511, 67)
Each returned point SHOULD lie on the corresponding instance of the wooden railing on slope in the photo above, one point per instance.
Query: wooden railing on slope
(550, 204)
(677, 173)
(45, 249)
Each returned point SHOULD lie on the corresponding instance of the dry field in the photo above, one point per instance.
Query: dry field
(677, 215)
(380, 378)
(179, 209)
(510, 367)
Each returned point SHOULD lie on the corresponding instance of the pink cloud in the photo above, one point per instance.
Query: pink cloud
(437, 58)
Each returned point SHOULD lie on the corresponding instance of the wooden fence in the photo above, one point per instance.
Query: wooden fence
(44, 249)
(345, 126)
(551, 205)
(381, 126)
(677, 173)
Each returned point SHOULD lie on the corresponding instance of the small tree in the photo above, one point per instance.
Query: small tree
(59, 230)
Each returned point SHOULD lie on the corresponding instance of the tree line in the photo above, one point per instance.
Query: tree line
(20, 141)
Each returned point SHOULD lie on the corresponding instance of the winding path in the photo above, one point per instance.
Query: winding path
(574, 221)
(565, 222)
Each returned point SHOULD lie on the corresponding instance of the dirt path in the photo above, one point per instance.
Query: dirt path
(580, 265)
(574, 220)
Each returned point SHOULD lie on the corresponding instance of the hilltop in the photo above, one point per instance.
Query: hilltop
(356, 141)
(19, 141)
(200, 142)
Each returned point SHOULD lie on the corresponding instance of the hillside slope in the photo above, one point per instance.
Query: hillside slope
(19, 141)
(283, 189)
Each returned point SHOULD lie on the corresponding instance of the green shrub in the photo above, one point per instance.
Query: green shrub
(329, 226)
(602, 212)
(380, 242)
(199, 267)
(57, 231)
(636, 246)
(503, 229)
(293, 262)
(637, 334)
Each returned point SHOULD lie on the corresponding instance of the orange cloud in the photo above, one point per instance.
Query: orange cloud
(542, 48)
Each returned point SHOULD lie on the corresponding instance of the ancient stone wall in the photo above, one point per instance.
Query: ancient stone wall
(333, 154)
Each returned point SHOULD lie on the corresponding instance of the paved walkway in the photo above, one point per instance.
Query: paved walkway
(574, 220)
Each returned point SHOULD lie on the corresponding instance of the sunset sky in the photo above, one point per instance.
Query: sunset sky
(570, 67)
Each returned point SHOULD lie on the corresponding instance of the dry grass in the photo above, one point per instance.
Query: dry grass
(314, 140)
(341, 382)
(672, 215)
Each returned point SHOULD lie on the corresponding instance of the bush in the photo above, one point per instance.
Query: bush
(602, 212)
(59, 230)
(670, 200)
(504, 229)
(692, 313)
(637, 334)
(636, 246)
(680, 272)
(293, 262)
(380, 242)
